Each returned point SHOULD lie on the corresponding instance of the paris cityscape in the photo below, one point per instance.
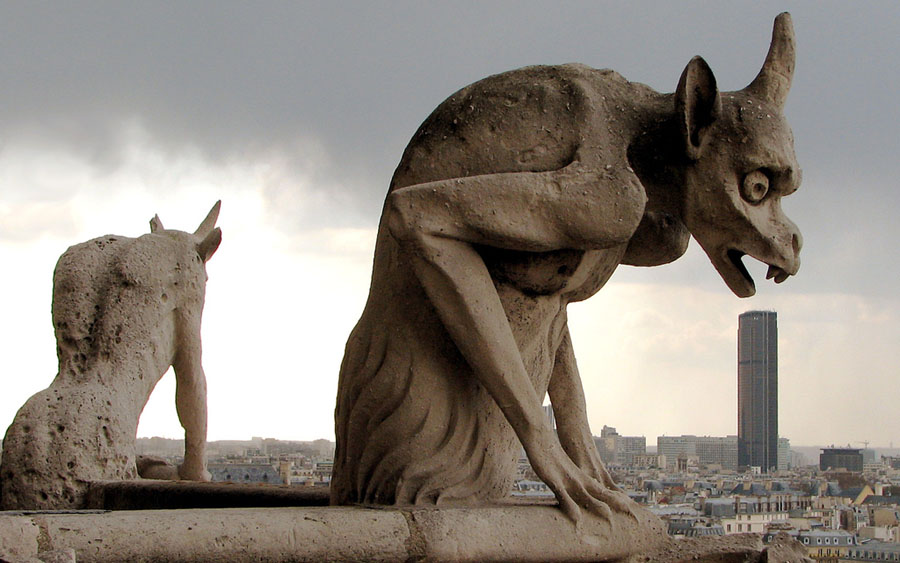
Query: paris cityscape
(725, 417)
(839, 501)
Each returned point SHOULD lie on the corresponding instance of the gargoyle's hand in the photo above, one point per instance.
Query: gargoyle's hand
(577, 490)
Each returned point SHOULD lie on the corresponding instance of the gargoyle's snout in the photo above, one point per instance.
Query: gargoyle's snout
(780, 251)
(792, 266)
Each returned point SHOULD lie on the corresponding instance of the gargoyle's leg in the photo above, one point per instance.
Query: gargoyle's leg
(436, 224)
(567, 397)
(190, 396)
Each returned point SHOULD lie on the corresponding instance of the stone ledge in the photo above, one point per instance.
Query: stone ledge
(500, 533)
(503, 533)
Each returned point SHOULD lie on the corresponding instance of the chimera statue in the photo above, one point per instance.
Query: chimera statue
(520, 194)
(124, 310)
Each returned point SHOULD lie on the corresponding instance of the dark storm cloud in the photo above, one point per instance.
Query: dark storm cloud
(234, 77)
(238, 80)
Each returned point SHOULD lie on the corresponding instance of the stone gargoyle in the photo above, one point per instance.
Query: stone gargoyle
(124, 310)
(520, 194)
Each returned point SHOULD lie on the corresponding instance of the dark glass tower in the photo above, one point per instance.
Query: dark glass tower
(758, 390)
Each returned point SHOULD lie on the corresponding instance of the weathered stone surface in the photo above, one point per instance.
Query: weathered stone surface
(500, 533)
(269, 534)
(535, 533)
(57, 556)
(520, 194)
(124, 310)
(18, 538)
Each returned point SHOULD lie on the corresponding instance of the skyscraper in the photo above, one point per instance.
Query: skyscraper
(758, 390)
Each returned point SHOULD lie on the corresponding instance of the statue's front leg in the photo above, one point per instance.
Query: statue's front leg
(436, 225)
(190, 398)
(570, 410)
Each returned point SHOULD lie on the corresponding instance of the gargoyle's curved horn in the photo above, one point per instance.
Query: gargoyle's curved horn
(207, 225)
(774, 79)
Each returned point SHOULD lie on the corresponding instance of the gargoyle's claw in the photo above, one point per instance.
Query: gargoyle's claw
(597, 500)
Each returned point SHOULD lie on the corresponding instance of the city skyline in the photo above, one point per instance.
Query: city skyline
(295, 115)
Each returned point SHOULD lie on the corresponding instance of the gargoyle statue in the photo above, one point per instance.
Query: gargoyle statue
(124, 310)
(520, 194)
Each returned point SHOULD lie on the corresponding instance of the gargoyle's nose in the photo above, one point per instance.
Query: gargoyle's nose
(792, 264)
(792, 255)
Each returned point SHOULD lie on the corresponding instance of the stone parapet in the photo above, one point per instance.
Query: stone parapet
(502, 533)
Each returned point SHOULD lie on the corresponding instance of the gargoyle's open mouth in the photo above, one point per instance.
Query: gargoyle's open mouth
(735, 257)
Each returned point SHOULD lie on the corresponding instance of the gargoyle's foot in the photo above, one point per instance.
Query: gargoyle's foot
(193, 474)
(152, 467)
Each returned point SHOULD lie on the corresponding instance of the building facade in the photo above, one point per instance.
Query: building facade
(784, 454)
(758, 390)
(850, 459)
(709, 450)
(616, 449)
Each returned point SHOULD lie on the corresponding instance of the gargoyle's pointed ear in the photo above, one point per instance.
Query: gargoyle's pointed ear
(156, 224)
(210, 244)
(697, 104)
(207, 225)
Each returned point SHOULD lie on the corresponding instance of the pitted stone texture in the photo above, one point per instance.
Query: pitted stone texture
(500, 533)
(234, 535)
(124, 310)
(519, 194)
(19, 538)
(533, 533)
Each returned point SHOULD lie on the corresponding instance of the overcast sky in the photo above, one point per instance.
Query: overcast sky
(295, 115)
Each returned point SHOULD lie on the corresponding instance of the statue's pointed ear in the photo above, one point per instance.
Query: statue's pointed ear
(207, 225)
(697, 104)
(156, 224)
(210, 244)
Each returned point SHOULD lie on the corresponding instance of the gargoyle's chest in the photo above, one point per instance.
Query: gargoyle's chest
(535, 288)
(532, 273)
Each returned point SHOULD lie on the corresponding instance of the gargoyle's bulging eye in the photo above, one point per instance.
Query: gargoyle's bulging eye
(755, 186)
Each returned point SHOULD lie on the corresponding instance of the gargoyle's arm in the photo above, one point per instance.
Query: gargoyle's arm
(576, 207)
(190, 396)
(570, 409)
(437, 224)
